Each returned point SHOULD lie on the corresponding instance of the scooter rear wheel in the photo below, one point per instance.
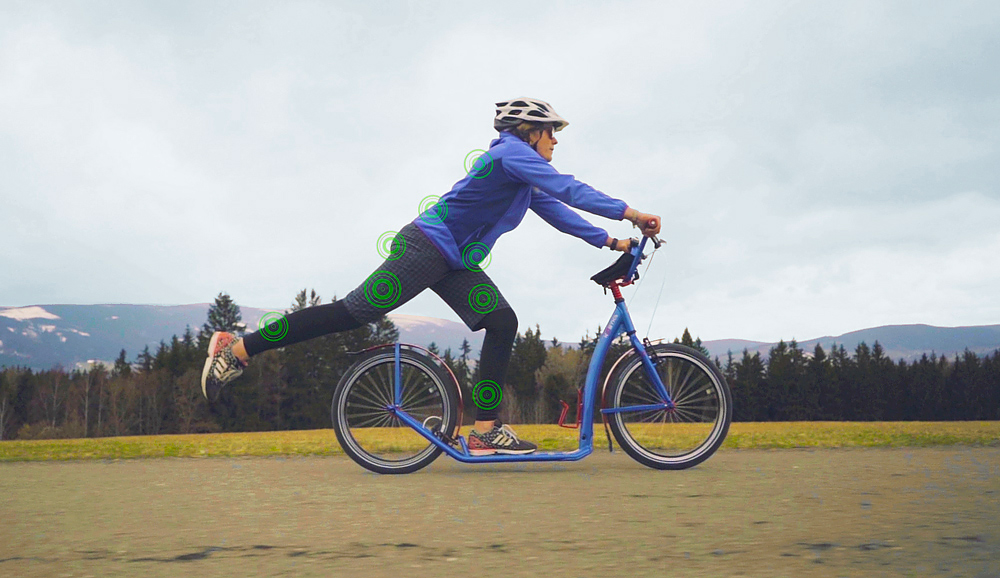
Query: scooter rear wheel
(367, 429)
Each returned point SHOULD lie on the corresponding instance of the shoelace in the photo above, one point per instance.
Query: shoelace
(506, 429)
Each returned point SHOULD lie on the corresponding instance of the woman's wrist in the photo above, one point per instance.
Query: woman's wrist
(633, 217)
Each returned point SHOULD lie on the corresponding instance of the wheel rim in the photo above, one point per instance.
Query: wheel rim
(372, 430)
(687, 431)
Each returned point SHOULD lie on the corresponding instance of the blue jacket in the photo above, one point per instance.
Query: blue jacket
(512, 178)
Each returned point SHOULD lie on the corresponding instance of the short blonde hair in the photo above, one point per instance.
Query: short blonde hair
(523, 130)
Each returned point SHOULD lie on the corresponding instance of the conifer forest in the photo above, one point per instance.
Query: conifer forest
(159, 392)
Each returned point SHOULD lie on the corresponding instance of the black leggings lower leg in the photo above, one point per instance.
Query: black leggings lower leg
(302, 325)
(501, 328)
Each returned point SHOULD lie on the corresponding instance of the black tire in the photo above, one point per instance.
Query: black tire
(367, 385)
(678, 439)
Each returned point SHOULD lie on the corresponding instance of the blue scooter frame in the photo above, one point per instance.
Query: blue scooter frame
(620, 322)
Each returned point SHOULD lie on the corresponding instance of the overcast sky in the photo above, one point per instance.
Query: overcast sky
(820, 167)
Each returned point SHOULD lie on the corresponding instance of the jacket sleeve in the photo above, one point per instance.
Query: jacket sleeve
(534, 170)
(561, 217)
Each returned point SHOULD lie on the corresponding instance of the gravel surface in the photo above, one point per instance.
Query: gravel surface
(849, 512)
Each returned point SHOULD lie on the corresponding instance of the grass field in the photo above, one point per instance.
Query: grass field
(548, 437)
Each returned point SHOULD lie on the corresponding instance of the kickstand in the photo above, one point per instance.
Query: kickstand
(608, 433)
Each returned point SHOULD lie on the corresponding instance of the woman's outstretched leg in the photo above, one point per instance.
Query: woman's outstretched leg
(303, 325)
(227, 356)
(404, 276)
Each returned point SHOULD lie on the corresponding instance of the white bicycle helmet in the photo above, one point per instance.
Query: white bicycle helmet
(511, 113)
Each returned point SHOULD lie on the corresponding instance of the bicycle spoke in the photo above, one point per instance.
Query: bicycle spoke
(377, 421)
(670, 435)
(411, 395)
(377, 389)
(374, 402)
(375, 434)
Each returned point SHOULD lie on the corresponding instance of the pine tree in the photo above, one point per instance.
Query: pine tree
(223, 315)
(587, 345)
(695, 344)
(301, 302)
(527, 357)
(819, 395)
(749, 389)
(122, 367)
(144, 361)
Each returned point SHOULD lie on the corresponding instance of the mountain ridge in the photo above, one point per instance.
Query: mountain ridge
(41, 336)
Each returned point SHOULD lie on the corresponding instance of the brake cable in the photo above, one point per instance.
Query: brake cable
(642, 278)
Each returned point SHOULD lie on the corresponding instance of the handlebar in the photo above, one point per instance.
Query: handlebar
(624, 269)
(637, 255)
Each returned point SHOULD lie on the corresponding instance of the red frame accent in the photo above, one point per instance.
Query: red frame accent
(579, 410)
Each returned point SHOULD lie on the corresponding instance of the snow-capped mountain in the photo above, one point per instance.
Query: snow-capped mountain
(41, 336)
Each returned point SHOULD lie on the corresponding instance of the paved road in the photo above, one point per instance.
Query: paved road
(872, 512)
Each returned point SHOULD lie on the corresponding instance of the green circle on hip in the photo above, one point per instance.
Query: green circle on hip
(273, 326)
(476, 256)
(438, 214)
(391, 245)
(383, 289)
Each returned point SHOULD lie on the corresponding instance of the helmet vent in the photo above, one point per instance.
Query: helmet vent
(512, 112)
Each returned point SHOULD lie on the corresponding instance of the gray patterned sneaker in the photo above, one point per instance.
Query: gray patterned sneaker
(499, 440)
(222, 365)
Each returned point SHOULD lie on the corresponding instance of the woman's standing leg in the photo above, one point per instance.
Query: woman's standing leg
(473, 296)
(501, 329)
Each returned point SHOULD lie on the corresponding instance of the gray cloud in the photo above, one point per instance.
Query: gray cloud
(819, 167)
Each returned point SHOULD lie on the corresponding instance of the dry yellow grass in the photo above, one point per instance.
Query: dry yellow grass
(548, 437)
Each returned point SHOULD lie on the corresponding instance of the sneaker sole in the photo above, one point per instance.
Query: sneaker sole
(204, 375)
(504, 452)
(212, 345)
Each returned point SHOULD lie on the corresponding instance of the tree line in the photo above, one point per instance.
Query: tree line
(291, 387)
(865, 385)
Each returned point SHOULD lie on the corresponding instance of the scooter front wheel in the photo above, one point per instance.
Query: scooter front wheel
(678, 437)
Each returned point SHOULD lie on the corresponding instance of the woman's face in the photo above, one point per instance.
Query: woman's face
(546, 143)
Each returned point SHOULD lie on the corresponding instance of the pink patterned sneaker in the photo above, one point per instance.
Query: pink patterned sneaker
(499, 440)
(222, 365)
